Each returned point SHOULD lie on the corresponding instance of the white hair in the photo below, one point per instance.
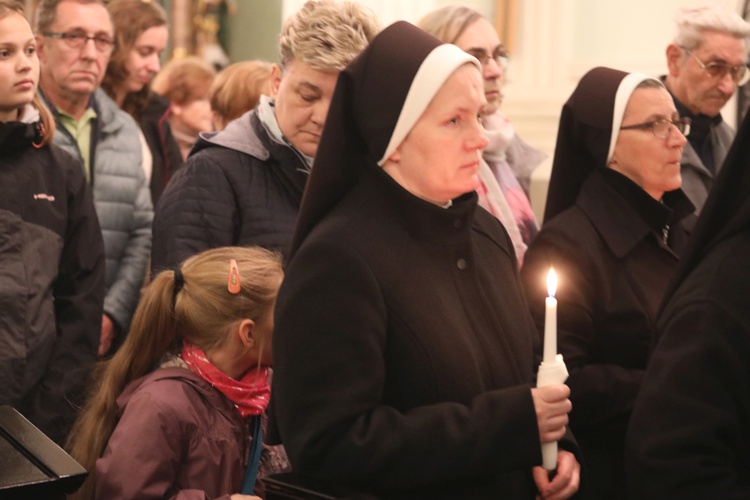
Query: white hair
(693, 22)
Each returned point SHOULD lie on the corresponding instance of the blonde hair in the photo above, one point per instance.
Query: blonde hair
(237, 89)
(202, 312)
(449, 23)
(327, 34)
(184, 80)
(8, 7)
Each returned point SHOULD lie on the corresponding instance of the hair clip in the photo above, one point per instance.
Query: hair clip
(233, 280)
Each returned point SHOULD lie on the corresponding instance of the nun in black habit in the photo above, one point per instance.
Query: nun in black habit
(403, 346)
(612, 233)
(689, 436)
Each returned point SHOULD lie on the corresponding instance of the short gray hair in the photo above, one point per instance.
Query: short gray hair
(46, 13)
(327, 34)
(693, 22)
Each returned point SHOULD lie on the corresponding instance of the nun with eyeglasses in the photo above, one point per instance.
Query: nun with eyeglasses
(689, 435)
(612, 231)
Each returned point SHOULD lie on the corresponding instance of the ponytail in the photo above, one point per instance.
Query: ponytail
(151, 335)
(202, 306)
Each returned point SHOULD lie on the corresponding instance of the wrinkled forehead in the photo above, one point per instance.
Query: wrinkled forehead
(479, 35)
(92, 18)
(650, 103)
(721, 47)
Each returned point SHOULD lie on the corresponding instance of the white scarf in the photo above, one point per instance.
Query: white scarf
(500, 133)
(29, 114)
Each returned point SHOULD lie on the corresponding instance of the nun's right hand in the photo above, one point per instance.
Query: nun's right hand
(552, 406)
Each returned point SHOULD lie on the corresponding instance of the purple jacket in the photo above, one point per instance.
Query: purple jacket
(176, 437)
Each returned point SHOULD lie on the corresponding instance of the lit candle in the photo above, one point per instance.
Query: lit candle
(552, 370)
(550, 319)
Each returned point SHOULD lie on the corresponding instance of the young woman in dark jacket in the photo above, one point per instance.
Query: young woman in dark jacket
(51, 250)
(178, 411)
(141, 30)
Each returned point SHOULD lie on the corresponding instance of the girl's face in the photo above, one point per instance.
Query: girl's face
(19, 65)
(193, 117)
(143, 59)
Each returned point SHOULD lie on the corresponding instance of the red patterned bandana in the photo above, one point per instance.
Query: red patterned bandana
(250, 394)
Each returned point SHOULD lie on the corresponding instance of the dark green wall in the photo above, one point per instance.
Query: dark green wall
(254, 30)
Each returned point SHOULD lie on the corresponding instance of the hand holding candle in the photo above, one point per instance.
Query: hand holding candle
(552, 370)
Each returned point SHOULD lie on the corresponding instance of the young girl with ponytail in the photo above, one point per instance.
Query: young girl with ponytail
(177, 410)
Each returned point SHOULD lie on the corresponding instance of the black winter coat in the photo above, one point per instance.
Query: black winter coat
(613, 267)
(238, 187)
(690, 432)
(403, 351)
(51, 281)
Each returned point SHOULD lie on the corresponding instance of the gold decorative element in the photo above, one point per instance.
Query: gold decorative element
(506, 21)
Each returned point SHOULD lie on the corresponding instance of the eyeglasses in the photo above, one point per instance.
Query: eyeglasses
(662, 127)
(717, 70)
(499, 55)
(77, 40)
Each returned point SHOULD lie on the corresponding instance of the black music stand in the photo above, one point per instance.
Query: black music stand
(31, 464)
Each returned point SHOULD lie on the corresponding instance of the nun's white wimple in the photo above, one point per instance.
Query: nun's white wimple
(431, 75)
(624, 91)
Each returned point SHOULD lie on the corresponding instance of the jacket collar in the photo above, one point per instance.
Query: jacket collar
(238, 135)
(106, 110)
(612, 210)
(423, 220)
(247, 135)
(213, 397)
(18, 135)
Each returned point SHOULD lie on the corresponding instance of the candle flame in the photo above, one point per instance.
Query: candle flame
(551, 282)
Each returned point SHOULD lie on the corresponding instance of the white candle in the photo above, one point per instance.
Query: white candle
(550, 319)
(552, 370)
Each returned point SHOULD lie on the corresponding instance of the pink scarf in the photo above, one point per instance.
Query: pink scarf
(250, 394)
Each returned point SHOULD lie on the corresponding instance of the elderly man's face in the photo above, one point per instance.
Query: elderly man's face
(302, 96)
(697, 90)
(76, 71)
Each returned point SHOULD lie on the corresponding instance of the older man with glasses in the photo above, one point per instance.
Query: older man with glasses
(707, 62)
(75, 40)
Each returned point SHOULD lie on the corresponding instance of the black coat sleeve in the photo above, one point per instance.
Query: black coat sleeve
(79, 295)
(197, 211)
(689, 433)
